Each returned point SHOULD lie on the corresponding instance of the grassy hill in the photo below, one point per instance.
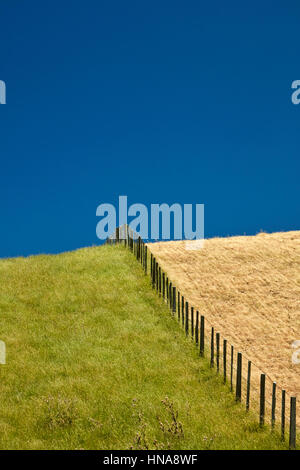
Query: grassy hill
(248, 287)
(96, 361)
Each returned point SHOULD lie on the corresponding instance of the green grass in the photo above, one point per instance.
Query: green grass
(92, 354)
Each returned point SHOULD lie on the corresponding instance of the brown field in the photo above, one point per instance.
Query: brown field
(248, 288)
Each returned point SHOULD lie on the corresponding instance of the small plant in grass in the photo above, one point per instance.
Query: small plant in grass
(170, 426)
(60, 412)
(174, 427)
(141, 441)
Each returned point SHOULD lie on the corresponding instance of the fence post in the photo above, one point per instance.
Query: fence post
(182, 310)
(225, 359)
(212, 347)
(273, 405)
(248, 386)
(231, 369)
(192, 322)
(152, 268)
(218, 351)
(142, 253)
(238, 394)
(197, 329)
(293, 423)
(167, 288)
(164, 285)
(178, 305)
(170, 295)
(174, 300)
(202, 336)
(146, 258)
(159, 280)
(153, 273)
(282, 414)
(262, 399)
(156, 277)
(186, 318)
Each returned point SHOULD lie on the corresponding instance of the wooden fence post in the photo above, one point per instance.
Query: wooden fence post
(273, 405)
(140, 249)
(170, 295)
(152, 267)
(197, 329)
(293, 423)
(248, 386)
(182, 311)
(218, 351)
(164, 285)
(178, 305)
(212, 352)
(238, 394)
(231, 368)
(174, 300)
(225, 359)
(282, 414)
(159, 280)
(262, 399)
(186, 318)
(153, 273)
(146, 258)
(202, 339)
(192, 322)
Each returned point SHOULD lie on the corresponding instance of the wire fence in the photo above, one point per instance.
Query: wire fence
(250, 385)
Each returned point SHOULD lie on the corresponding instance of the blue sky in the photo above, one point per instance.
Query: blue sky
(162, 101)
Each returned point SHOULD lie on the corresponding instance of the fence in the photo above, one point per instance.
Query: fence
(238, 371)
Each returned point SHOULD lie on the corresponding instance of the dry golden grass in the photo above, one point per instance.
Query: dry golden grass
(248, 288)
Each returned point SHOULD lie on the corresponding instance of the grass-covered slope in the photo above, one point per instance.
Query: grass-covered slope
(92, 354)
(248, 287)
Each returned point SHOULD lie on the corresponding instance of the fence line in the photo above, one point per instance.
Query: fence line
(212, 344)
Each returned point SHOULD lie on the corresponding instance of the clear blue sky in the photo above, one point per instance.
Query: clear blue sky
(163, 101)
